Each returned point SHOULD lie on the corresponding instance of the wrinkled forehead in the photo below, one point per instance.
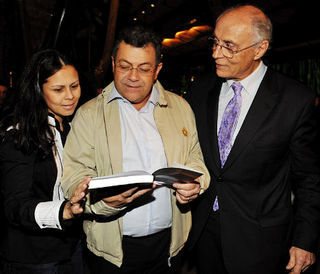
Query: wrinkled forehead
(233, 29)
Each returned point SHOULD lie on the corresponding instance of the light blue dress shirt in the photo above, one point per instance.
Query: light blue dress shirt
(143, 150)
(250, 87)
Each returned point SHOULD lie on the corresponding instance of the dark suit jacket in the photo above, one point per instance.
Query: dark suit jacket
(271, 157)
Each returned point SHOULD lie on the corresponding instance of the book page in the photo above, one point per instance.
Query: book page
(124, 178)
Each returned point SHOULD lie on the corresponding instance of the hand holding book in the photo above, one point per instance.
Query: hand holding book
(107, 186)
(123, 198)
(186, 192)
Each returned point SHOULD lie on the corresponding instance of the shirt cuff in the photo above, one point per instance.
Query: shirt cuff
(47, 214)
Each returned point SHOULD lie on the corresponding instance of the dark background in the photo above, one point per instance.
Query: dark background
(85, 29)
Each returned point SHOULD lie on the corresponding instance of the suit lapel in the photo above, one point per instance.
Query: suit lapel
(262, 105)
(212, 114)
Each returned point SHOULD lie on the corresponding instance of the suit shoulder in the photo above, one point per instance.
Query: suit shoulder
(203, 88)
(292, 86)
(205, 80)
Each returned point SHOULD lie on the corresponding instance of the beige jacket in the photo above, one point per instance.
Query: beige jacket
(93, 148)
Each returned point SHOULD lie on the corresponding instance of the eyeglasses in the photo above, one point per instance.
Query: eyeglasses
(125, 67)
(226, 50)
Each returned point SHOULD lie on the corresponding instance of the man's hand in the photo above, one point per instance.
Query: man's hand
(300, 260)
(186, 192)
(126, 197)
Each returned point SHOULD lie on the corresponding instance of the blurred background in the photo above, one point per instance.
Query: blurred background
(85, 30)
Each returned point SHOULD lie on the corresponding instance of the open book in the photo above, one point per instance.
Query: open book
(105, 186)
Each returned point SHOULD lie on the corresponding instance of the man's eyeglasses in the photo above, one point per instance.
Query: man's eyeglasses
(226, 50)
(125, 67)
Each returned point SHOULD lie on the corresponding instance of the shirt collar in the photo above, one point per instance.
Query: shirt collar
(252, 81)
(114, 95)
(51, 120)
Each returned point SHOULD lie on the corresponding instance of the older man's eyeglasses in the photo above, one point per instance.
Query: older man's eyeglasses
(227, 50)
(143, 69)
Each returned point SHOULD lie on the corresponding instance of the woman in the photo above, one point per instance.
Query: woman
(40, 233)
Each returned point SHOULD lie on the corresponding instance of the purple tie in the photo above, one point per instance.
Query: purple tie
(229, 122)
(228, 125)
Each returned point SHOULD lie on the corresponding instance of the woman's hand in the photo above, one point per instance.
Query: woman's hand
(75, 205)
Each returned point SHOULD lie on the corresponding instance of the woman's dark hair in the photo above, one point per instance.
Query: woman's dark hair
(28, 111)
(138, 36)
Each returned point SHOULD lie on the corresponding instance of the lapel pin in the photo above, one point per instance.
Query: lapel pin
(185, 132)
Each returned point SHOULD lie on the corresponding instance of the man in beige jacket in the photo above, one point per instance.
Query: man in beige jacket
(134, 124)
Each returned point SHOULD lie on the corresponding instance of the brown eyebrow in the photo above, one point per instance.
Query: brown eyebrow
(60, 86)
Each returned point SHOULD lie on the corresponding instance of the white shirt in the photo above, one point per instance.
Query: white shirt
(250, 87)
(47, 213)
(143, 150)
